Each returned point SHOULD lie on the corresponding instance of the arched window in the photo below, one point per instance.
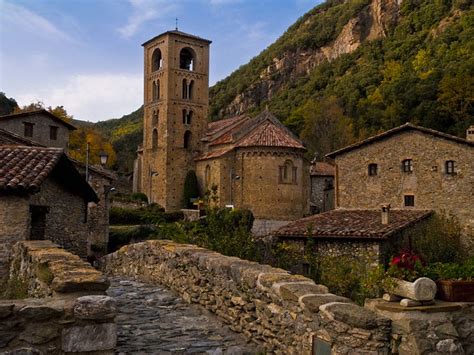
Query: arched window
(157, 97)
(190, 90)
(187, 140)
(450, 167)
(288, 173)
(156, 60)
(207, 175)
(187, 116)
(407, 166)
(154, 91)
(372, 169)
(186, 59)
(154, 118)
(185, 89)
(154, 139)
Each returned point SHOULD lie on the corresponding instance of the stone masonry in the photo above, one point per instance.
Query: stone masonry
(69, 312)
(430, 184)
(271, 307)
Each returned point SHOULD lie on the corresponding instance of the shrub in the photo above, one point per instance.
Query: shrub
(451, 271)
(136, 196)
(151, 214)
(14, 289)
(438, 239)
(120, 237)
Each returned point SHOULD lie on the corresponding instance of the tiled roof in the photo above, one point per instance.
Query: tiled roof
(352, 224)
(9, 138)
(213, 154)
(321, 168)
(25, 168)
(180, 33)
(40, 112)
(406, 127)
(268, 134)
(217, 128)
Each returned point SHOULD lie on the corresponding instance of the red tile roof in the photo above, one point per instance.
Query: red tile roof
(321, 168)
(268, 134)
(406, 127)
(222, 125)
(24, 169)
(352, 224)
(9, 138)
(213, 154)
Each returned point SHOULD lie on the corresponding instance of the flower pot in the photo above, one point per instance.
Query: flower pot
(455, 291)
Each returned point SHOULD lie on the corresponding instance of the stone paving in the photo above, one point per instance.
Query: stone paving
(154, 320)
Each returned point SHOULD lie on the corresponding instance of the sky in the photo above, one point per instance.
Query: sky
(86, 55)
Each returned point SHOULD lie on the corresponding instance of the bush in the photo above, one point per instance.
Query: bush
(451, 271)
(438, 239)
(151, 214)
(136, 196)
(119, 238)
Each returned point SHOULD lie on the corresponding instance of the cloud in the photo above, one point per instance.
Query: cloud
(144, 11)
(92, 97)
(19, 17)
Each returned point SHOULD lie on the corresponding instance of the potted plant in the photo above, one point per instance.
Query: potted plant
(455, 281)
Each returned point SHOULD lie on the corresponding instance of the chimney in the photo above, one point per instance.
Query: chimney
(470, 133)
(385, 210)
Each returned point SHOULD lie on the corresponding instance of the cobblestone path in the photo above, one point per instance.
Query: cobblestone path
(154, 320)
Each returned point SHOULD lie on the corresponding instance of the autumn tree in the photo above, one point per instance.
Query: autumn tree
(7, 105)
(326, 128)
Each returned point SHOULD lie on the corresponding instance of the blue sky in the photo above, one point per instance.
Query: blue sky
(86, 54)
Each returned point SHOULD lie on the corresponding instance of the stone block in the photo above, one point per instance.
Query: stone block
(390, 297)
(447, 346)
(6, 309)
(267, 280)
(95, 307)
(41, 312)
(294, 290)
(80, 281)
(313, 302)
(96, 337)
(446, 329)
(39, 333)
(352, 314)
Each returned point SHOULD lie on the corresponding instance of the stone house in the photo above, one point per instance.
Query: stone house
(255, 163)
(409, 167)
(322, 186)
(362, 234)
(40, 126)
(42, 196)
(101, 181)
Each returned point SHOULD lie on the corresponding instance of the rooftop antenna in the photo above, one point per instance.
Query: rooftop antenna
(176, 24)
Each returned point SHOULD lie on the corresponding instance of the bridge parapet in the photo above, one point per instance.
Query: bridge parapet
(283, 312)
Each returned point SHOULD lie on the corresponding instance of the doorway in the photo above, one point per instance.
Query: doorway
(38, 222)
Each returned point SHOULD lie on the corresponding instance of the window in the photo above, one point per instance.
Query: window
(154, 118)
(190, 90)
(187, 140)
(372, 169)
(28, 129)
(407, 166)
(156, 60)
(450, 167)
(185, 89)
(53, 133)
(207, 176)
(409, 200)
(156, 90)
(288, 173)
(154, 139)
(187, 116)
(186, 59)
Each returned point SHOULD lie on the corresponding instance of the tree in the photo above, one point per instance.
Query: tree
(7, 105)
(326, 127)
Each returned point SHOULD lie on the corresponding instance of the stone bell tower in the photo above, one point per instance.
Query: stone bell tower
(176, 101)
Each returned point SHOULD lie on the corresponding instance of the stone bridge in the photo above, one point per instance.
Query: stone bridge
(173, 298)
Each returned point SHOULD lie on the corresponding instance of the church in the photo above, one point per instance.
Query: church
(251, 162)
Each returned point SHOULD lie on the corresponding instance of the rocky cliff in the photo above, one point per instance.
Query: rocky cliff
(372, 22)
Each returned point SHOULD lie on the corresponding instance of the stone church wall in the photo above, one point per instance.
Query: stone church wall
(428, 182)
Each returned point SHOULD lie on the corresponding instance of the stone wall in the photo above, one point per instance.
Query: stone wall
(66, 222)
(432, 187)
(14, 217)
(322, 193)
(77, 318)
(41, 129)
(280, 311)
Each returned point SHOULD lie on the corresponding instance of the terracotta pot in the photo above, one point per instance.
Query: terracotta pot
(455, 291)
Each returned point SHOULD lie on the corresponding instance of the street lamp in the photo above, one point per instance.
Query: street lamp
(103, 158)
